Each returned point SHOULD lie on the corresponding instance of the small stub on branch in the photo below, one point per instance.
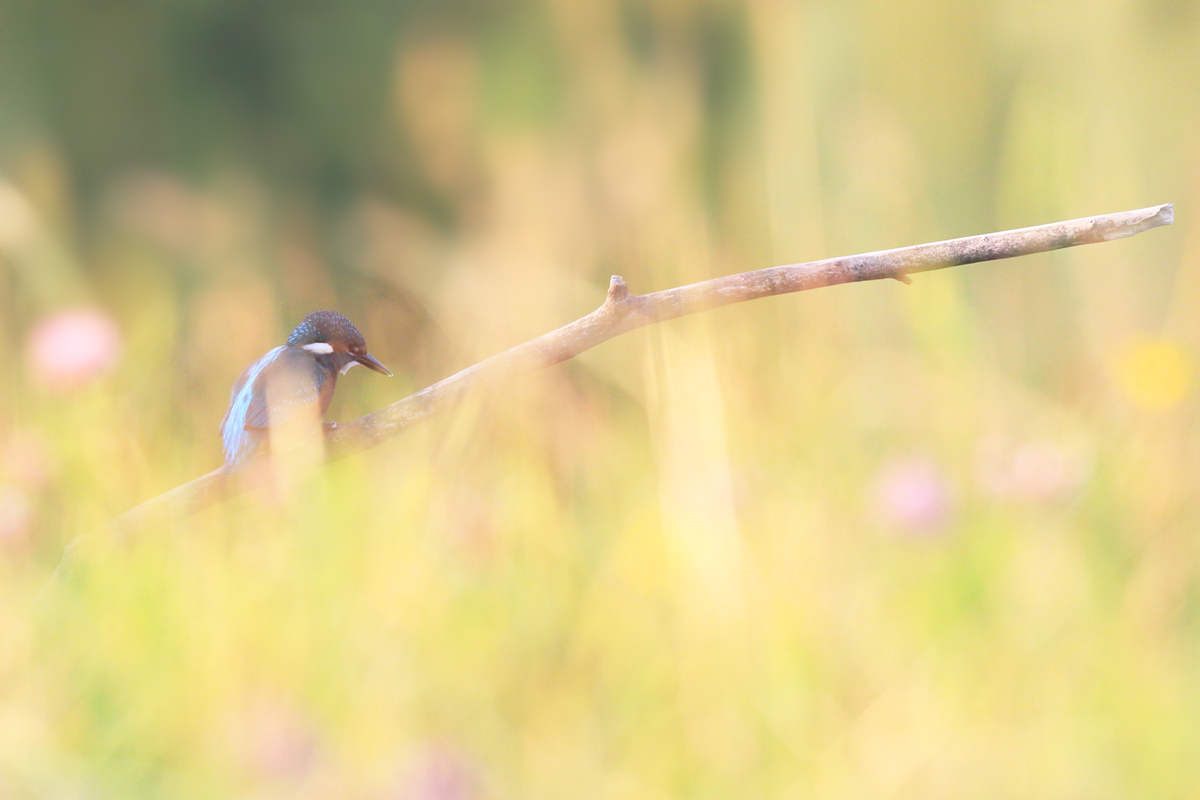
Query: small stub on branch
(617, 290)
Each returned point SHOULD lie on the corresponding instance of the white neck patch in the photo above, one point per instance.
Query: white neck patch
(320, 348)
(349, 366)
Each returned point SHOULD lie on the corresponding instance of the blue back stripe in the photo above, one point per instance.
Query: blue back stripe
(239, 443)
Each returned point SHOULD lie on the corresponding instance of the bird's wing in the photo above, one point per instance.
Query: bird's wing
(269, 391)
(292, 379)
(239, 442)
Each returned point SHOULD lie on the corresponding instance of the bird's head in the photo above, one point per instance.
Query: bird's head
(329, 333)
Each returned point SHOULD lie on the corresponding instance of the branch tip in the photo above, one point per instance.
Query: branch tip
(1121, 226)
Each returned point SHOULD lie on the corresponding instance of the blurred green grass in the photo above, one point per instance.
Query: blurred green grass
(926, 541)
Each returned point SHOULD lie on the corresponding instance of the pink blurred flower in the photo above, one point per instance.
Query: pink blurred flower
(915, 495)
(439, 773)
(15, 514)
(281, 745)
(70, 349)
(1031, 472)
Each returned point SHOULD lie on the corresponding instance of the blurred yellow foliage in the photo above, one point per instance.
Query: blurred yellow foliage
(872, 541)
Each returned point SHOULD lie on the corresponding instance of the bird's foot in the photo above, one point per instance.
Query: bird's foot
(329, 426)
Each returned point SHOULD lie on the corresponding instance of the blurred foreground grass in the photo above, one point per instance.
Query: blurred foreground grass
(874, 541)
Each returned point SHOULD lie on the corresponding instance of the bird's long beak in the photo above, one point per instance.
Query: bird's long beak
(368, 360)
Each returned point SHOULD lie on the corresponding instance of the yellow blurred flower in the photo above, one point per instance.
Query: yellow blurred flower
(1155, 374)
(18, 223)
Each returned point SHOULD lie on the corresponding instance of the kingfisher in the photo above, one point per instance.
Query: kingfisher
(301, 373)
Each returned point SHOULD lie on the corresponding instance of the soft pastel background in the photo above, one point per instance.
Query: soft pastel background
(936, 541)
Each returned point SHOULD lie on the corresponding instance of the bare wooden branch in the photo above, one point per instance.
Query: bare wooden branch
(622, 312)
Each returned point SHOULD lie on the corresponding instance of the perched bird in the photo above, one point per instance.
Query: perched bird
(299, 375)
